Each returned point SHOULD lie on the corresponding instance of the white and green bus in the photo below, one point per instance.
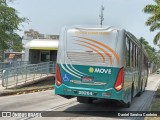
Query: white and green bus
(100, 63)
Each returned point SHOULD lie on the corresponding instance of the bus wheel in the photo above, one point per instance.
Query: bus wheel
(85, 100)
(127, 105)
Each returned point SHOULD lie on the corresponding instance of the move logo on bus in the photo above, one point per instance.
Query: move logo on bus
(100, 70)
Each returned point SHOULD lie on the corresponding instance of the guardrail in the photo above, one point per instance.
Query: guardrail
(17, 75)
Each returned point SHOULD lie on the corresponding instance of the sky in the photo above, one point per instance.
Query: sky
(49, 16)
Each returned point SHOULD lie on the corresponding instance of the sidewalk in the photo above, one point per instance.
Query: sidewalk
(12, 89)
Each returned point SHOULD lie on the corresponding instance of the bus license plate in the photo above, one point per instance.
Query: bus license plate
(87, 79)
(85, 93)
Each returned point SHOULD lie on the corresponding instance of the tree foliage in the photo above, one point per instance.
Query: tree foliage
(154, 20)
(9, 24)
(16, 43)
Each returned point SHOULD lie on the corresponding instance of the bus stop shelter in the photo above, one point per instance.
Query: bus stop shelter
(41, 50)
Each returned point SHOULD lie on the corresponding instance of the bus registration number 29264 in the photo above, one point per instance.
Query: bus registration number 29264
(85, 93)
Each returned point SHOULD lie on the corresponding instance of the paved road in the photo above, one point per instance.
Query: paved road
(47, 101)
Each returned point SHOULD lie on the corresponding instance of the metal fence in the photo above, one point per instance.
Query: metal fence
(21, 74)
(4, 65)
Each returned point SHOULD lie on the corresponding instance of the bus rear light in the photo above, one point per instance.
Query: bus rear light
(120, 80)
(58, 76)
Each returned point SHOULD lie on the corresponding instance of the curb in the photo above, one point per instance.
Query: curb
(19, 92)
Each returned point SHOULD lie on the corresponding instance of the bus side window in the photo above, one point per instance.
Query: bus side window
(131, 54)
(138, 57)
(127, 52)
(145, 62)
(135, 56)
(142, 61)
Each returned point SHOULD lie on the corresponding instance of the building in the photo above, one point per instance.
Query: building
(39, 47)
(40, 50)
(31, 34)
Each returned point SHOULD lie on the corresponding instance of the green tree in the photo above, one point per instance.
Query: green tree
(154, 20)
(9, 24)
(16, 43)
(143, 41)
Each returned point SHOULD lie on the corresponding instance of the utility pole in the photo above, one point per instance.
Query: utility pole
(101, 15)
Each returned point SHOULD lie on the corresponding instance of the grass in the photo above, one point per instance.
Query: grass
(155, 106)
(158, 92)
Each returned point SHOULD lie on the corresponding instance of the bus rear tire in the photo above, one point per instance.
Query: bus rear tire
(125, 105)
(85, 100)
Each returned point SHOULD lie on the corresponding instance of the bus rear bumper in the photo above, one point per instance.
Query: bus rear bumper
(69, 92)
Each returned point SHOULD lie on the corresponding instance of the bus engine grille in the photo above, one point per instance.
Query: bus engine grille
(89, 57)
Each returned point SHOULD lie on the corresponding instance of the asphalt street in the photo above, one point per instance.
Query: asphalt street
(47, 101)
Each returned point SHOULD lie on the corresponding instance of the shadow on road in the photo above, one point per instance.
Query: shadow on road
(100, 108)
(107, 108)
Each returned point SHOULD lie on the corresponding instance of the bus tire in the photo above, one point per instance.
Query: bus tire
(85, 100)
(128, 105)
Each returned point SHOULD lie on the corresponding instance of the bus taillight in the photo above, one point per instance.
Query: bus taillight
(120, 80)
(58, 76)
